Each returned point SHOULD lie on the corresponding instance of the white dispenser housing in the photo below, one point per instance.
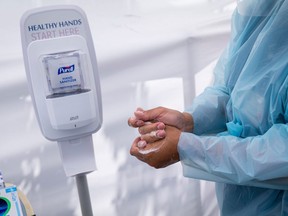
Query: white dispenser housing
(62, 72)
(64, 84)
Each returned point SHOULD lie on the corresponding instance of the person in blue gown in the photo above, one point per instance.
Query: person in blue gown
(236, 131)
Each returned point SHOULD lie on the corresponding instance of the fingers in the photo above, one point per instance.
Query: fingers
(161, 114)
(150, 138)
(149, 131)
(152, 129)
(153, 136)
(149, 115)
(159, 133)
(144, 154)
(142, 144)
(161, 153)
(149, 127)
(141, 117)
(135, 150)
(134, 122)
(152, 132)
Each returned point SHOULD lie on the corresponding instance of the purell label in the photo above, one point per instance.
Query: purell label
(66, 69)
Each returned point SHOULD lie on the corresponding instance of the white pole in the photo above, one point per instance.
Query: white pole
(84, 196)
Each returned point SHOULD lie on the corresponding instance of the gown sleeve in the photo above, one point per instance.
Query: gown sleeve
(254, 161)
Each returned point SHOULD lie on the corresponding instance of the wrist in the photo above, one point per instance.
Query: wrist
(188, 122)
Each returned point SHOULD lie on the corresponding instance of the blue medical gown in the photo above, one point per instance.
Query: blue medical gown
(240, 136)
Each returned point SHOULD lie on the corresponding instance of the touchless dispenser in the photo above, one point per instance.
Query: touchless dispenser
(64, 84)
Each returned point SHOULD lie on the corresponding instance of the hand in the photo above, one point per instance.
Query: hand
(161, 153)
(182, 121)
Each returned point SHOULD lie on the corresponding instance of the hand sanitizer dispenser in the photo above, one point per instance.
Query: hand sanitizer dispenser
(64, 84)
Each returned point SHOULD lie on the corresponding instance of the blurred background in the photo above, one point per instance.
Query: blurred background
(150, 53)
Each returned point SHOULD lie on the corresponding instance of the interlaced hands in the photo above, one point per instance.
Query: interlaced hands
(159, 131)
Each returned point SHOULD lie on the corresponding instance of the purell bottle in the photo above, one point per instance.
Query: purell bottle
(64, 74)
